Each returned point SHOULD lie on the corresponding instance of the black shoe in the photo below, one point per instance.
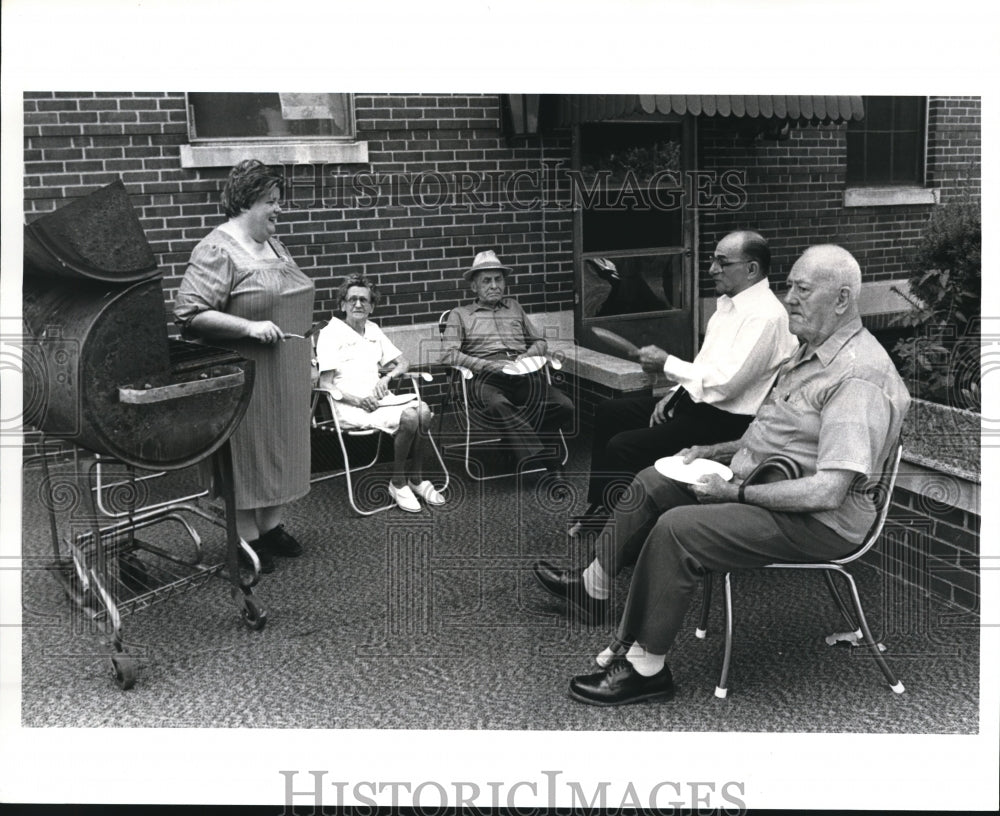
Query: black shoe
(621, 684)
(281, 543)
(259, 546)
(565, 586)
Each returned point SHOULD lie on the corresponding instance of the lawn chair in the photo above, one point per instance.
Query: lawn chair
(779, 467)
(324, 421)
(458, 394)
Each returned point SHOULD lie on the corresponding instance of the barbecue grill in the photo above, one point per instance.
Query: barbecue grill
(102, 375)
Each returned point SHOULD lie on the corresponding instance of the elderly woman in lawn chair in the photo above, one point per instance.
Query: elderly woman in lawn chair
(351, 353)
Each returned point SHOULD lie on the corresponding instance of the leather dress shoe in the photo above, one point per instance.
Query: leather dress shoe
(564, 585)
(280, 543)
(621, 684)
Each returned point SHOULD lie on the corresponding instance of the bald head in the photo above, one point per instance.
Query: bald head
(823, 290)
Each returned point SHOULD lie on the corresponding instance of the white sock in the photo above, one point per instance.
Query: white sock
(596, 581)
(646, 663)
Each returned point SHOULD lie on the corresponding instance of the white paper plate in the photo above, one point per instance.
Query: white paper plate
(673, 467)
(396, 399)
(524, 366)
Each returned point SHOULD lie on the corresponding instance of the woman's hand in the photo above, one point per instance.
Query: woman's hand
(381, 387)
(369, 403)
(264, 331)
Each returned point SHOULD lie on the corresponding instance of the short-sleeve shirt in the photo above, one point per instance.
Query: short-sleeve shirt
(355, 358)
(839, 408)
(481, 331)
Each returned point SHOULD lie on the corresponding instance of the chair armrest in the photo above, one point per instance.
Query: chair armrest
(426, 376)
(775, 468)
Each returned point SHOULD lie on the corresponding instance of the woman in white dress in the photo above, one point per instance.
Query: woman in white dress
(350, 353)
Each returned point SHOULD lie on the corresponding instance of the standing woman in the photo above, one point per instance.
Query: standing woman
(242, 290)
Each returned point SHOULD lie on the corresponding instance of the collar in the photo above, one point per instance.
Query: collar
(745, 299)
(501, 304)
(831, 347)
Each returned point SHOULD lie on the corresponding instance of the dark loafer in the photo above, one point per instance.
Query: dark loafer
(259, 546)
(621, 684)
(281, 543)
(568, 587)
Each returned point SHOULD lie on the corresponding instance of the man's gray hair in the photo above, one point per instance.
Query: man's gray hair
(839, 264)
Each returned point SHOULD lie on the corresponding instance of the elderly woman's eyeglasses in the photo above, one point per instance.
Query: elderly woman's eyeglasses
(357, 299)
(721, 262)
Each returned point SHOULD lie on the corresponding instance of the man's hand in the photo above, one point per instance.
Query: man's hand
(688, 455)
(652, 358)
(712, 489)
(659, 415)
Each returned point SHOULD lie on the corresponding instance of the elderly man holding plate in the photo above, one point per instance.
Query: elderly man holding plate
(835, 410)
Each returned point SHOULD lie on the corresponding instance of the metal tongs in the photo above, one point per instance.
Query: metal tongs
(319, 325)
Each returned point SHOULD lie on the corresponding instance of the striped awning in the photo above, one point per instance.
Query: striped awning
(574, 109)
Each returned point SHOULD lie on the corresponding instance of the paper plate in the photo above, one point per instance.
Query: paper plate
(396, 399)
(673, 467)
(524, 366)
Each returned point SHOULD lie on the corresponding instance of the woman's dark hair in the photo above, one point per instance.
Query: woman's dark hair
(357, 280)
(247, 182)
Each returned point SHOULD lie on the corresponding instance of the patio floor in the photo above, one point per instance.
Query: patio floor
(434, 621)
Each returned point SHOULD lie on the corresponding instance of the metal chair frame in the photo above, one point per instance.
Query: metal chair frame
(860, 630)
(333, 426)
(460, 378)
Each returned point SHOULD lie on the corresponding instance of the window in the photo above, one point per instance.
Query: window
(886, 148)
(277, 128)
(267, 116)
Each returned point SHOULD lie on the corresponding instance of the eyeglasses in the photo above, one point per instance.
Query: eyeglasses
(722, 263)
(357, 299)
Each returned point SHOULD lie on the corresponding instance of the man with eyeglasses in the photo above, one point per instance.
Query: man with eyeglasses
(715, 395)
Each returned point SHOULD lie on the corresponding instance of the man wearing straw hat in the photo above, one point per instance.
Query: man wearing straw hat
(487, 336)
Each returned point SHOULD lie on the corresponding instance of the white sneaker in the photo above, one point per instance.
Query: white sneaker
(404, 497)
(428, 493)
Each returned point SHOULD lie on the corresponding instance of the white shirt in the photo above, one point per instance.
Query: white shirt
(746, 340)
(355, 358)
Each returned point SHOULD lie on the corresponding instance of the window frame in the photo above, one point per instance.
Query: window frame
(273, 150)
(864, 193)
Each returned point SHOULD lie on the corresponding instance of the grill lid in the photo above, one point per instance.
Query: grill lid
(96, 237)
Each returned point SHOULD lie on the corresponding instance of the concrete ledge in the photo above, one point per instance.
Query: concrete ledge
(890, 196)
(227, 155)
(603, 369)
(946, 488)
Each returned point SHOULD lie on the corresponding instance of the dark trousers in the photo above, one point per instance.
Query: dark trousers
(521, 408)
(623, 443)
(673, 541)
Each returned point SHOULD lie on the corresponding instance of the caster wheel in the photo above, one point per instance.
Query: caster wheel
(124, 669)
(253, 615)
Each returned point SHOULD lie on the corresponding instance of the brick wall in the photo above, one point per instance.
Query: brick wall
(795, 190)
(933, 547)
(416, 250)
(76, 142)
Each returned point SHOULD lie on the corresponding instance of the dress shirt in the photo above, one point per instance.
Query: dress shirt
(746, 341)
(475, 331)
(839, 408)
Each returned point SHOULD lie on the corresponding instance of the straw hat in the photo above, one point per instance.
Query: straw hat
(483, 261)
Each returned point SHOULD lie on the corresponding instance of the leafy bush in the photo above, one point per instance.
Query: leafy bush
(940, 362)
